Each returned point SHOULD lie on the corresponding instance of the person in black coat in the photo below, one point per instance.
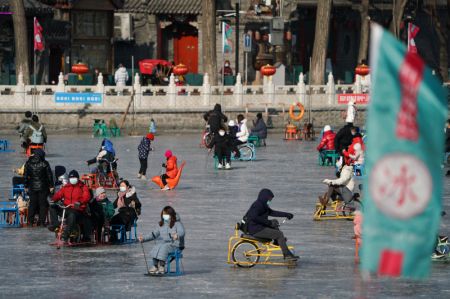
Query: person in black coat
(222, 148)
(39, 183)
(343, 138)
(260, 226)
(215, 118)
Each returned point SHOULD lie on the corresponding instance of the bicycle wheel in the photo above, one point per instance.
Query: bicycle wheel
(207, 139)
(245, 254)
(246, 153)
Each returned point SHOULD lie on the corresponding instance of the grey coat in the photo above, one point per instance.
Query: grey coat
(164, 242)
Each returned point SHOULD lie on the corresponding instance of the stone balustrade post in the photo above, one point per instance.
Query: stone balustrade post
(331, 90)
(206, 90)
(172, 91)
(239, 91)
(301, 89)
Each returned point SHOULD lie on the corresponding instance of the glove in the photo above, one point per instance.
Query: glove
(327, 181)
(77, 205)
(163, 165)
(274, 223)
(290, 216)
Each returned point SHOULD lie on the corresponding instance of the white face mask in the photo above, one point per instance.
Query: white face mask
(122, 189)
(166, 217)
(73, 181)
(222, 133)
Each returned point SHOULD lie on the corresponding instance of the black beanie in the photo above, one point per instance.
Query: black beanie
(74, 174)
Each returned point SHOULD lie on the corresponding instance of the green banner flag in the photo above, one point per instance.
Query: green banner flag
(405, 122)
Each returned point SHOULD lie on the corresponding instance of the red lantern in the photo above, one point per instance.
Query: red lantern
(80, 69)
(180, 70)
(268, 70)
(362, 70)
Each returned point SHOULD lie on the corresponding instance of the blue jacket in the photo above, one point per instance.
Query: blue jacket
(257, 215)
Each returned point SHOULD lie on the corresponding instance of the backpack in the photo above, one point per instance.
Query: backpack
(37, 136)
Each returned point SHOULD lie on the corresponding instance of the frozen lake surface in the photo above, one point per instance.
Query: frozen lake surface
(209, 202)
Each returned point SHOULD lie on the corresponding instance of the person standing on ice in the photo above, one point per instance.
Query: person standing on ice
(144, 149)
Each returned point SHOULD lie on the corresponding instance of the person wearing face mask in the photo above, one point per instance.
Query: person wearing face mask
(222, 148)
(260, 226)
(227, 70)
(128, 206)
(105, 156)
(169, 236)
(171, 168)
(77, 195)
(38, 182)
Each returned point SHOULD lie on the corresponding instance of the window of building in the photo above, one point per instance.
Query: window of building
(90, 23)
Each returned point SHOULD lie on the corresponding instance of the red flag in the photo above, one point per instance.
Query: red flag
(413, 30)
(38, 39)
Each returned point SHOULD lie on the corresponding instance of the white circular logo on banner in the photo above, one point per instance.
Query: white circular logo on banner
(38, 38)
(400, 185)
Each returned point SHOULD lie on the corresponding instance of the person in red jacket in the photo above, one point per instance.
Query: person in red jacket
(327, 142)
(171, 169)
(77, 195)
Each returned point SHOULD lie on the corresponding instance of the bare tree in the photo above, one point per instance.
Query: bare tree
(320, 41)
(209, 39)
(364, 38)
(398, 8)
(20, 38)
(442, 33)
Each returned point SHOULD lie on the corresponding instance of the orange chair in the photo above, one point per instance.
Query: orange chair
(291, 132)
(32, 147)
(171, 182)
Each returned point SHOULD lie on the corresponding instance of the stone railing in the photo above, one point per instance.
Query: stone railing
(20, 97)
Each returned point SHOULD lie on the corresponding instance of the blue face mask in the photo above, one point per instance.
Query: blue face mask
(166, 218)
(269, 202)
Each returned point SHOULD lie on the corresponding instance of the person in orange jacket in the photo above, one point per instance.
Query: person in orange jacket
(171, 169)
(77, 195)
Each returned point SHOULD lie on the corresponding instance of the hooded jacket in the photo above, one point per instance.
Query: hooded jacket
(171, 167)
(257, 215)
(222, 142)
(327, 142)
(346, 178)
(215, 118)
(71, 194)
(243, 133)
(121, 76)
(343, 138)
(38, 174)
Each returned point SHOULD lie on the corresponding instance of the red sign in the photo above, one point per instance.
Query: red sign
(357, 98)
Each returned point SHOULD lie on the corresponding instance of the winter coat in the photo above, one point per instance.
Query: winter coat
(71, 194)
(144, 148)
(38, 174)
(351, 113)
(257, 215)
(24, 124)
(232, 131)
(131, 202)
(355, 153)
(222, 142)
(215, 118)
(121, 76)
(243, 133)
(171, 167)
(260, 129)
(343, 138)
(346, 178)
(103, 155)
(108, 208)
(327, 142)
(95, 210)
(29, 131)
(164, 242)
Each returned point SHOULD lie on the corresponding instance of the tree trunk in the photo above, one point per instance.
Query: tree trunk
(209, 40)
(20, 38)
(364, 39)
(397, 14)
(442, 34)
(320, 41)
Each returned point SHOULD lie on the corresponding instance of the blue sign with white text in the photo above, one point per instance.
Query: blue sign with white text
(78, 98)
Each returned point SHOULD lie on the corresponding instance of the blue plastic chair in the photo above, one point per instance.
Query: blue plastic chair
(8, 209)
(124, 237)
(17, 189)
(358, 168)
(176, 256)
(4, 144)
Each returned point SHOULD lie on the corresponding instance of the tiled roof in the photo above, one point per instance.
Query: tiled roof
(30, 6)
(174, 7)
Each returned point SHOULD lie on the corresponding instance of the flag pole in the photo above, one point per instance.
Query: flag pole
(34, 83)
